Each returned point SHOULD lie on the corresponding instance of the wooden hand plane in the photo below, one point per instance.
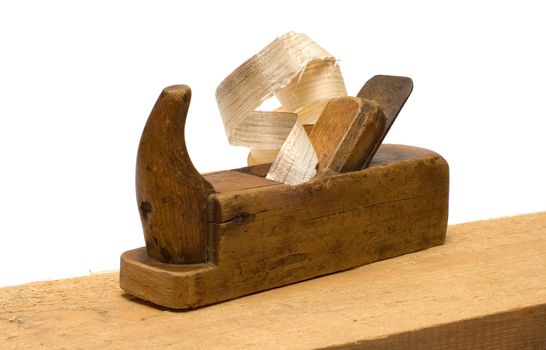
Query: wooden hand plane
(222, 235)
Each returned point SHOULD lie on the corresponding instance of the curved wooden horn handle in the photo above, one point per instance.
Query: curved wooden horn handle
(171, 193)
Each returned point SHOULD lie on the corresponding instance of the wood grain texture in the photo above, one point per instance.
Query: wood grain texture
(276, 234)
(303, 76)
(238, 179)
(171, 193)
(260, 170)
(296, 161)
(391, 93)
(346, 133)
(484, 289)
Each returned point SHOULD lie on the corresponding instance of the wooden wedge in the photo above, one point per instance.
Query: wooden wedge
(346, 133)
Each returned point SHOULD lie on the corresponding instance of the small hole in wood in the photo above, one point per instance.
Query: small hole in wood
(145, 209)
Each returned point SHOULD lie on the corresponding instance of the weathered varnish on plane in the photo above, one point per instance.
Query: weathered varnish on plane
(222, 235)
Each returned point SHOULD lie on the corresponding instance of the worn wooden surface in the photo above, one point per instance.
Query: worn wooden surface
(240, 179)
(346, 133)
(391, 93)
(484, 289)
(171, 193)
(275, 234)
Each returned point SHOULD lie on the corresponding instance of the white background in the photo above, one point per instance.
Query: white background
(78, 79)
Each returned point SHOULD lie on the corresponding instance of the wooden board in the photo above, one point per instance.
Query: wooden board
(484, 289)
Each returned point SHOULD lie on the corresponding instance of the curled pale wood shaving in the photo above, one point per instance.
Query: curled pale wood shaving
(312, 90)
(297, 159)
(304, 77)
